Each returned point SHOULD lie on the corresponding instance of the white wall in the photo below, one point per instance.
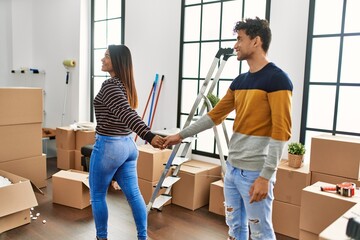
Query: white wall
(5, 41)
(152, 33)
(59, 31)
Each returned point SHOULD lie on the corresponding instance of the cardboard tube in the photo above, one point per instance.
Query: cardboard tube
(69, 63)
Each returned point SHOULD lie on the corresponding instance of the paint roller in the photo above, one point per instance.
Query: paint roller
(68, 63)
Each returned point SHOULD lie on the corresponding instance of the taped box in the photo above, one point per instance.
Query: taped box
(71, 188)
(15, 202)
(192, 191)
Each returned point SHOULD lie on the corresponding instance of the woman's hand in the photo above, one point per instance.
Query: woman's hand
(157, 142)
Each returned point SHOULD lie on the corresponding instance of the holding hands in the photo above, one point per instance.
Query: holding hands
(158, 142)
(172, 140)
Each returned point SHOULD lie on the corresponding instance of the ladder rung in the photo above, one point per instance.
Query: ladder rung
(160, 201)
(169, 181)
(179, 160)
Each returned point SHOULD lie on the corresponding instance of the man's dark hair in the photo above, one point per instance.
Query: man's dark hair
(256, 27)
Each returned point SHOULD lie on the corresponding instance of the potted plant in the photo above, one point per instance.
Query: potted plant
(296, 151)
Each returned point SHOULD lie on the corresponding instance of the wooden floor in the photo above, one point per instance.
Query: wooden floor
(65, 223)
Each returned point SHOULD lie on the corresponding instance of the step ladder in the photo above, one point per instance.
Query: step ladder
(179, 152)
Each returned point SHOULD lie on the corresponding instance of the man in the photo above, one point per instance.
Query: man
(261, 99)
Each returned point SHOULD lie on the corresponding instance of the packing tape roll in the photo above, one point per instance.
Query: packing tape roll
(69, 63)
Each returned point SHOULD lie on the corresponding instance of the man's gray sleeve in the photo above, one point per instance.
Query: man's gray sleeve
(200, 125)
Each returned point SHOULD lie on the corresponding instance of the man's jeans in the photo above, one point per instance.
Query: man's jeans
(240, 214)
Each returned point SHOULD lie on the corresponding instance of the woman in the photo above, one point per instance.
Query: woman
(115, 152)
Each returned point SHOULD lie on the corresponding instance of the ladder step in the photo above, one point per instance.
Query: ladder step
(160, 201)
(179, 160)
(169, 181)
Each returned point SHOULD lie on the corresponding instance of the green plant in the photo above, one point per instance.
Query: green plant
(213, 99)
(296, 148)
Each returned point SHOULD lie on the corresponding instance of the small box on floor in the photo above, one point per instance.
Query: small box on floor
(192, 191)
(71, 188)
(216, 201)
(15, 202)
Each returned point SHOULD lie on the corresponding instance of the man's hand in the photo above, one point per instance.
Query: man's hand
(157, 142)
(172, 140)
(259, 189)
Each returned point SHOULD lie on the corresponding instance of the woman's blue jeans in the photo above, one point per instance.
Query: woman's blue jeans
(115, 157)
(240, 214)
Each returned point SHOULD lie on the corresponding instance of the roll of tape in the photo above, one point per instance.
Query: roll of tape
(69, 63)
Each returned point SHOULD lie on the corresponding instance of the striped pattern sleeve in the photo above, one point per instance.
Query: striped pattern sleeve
(114, 115)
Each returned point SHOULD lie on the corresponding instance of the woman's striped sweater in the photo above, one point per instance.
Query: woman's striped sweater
(114, 116)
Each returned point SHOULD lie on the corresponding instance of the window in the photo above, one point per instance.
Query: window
(107, 28)
(332, 82)
(207, 26)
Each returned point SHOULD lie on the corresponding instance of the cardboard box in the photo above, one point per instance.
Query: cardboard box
(192, 191)
(21, 106)
(65, 138)
(20, 141)
(337, 229)
(290, 182)
(286, 219)
(77, 161)
(151, 162)
(65, 159)
(83, 138)
(71, 188)
(33, 168)
(15, 202)
(319, 209)
(305, 235)
(322, 177)
(335, 155)
(217, 199)
(147, 189)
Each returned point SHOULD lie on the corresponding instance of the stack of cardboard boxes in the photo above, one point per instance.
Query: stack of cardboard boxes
(69, 143)
(71, 184)
(333, 160)
(21, 134)
(21, 156)
(287, 193)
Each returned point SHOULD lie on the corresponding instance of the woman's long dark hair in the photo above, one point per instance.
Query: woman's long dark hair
(122, 64)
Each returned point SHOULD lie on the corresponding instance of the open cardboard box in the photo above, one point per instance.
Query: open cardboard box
(71, 188)
(15, 202)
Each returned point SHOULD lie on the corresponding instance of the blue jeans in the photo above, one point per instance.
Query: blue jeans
(115, 157)
(240, 214)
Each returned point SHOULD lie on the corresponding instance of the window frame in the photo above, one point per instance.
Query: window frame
(220, 41)
(338, 84)
(92, 49)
